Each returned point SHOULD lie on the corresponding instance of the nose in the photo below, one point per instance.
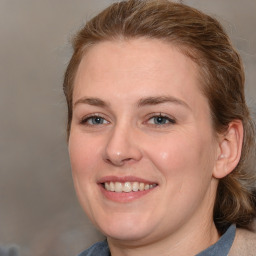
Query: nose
(122, 146)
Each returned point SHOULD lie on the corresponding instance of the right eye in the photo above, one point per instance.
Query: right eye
(94, 120)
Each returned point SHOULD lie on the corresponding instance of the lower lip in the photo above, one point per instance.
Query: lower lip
(124, 197)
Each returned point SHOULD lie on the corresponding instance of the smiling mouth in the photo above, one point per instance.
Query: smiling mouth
(127, 187)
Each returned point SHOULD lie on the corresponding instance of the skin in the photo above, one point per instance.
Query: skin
(182, 156)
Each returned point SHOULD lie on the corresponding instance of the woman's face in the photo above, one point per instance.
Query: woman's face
(141, 145)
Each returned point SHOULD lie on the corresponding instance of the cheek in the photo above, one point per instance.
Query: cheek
(84, 154)
(84, 157)
(181, 156)
(186, 165)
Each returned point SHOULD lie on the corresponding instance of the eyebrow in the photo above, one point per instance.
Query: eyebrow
(160, 100)
(141, 103)
(92, 101)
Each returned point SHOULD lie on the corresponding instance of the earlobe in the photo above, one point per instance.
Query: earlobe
(229, 150)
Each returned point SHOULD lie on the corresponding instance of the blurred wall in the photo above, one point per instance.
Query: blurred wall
(38, 208)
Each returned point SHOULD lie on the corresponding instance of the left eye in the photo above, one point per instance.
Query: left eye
(94, 120)
(160, 120)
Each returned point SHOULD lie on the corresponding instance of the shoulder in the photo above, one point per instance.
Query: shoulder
(244, 243)
(100, 248)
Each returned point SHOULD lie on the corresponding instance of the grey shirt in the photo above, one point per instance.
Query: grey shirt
(220, 248)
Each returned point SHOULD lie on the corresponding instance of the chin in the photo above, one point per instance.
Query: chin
(125, 229)
(127, 234)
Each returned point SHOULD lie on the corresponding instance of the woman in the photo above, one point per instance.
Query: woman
(160, 137)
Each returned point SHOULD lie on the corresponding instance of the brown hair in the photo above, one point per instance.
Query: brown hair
(203, 39)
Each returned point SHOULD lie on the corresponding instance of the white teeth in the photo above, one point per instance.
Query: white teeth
(112, 186)
(141, 186)
(107, 186)
(146, 187)
(135, 186)
(127, 186)
(118, 187)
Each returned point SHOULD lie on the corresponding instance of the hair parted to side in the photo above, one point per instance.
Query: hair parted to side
(203, 39)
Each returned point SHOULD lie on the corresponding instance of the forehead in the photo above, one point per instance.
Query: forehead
(136, 66)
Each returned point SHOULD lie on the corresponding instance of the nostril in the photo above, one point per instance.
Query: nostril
(114, 161)
(127, 159)
(118, 161)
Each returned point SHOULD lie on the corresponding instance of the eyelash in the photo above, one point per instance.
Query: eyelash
(85, 120)
(170, 121)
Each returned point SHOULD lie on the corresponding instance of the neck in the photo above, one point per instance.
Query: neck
(189, 241)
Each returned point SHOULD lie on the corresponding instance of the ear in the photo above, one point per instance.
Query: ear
(229, 149)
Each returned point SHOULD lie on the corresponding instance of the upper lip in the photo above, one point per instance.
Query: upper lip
(123, 179)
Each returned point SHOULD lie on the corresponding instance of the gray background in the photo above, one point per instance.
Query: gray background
(38, 208)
